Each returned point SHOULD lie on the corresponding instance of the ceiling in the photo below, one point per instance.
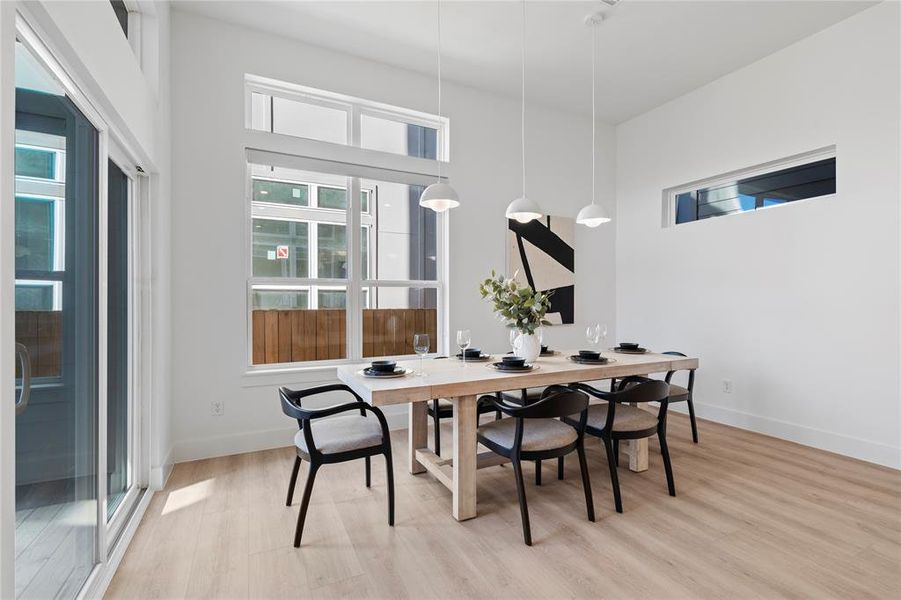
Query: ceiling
(649, 51)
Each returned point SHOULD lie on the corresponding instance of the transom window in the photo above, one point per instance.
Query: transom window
(344, 263)
(801, 177)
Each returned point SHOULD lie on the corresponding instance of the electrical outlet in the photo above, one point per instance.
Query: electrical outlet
(727, 386)
(217, 408)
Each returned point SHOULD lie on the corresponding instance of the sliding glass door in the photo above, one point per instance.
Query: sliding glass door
(56, 298)
(78, 467)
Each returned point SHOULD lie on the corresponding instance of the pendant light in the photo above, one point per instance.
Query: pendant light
(593, 214)
(439, 196)
(523, 209)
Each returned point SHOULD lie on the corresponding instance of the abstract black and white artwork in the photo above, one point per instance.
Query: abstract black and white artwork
(541, 255)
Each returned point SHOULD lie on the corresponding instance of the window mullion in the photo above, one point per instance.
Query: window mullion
(354, 275)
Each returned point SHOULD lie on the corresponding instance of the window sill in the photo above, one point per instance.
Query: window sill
(287, 375)
(321, 373)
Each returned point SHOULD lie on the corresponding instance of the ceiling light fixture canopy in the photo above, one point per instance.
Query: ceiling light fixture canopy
(524, 209)
(594, 214)
(439, 196)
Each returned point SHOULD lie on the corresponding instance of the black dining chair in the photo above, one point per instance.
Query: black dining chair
(523, 397)
(536, 432)
(322, 441)
(616, 419)
(677, 393)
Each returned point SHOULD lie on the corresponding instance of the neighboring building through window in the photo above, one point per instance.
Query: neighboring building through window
(779, 183)
(301, 252)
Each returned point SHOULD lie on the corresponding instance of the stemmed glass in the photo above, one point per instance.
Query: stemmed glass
(421, 347)
(593, 334)
(463, 340)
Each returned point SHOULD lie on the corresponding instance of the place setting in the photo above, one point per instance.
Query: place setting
(513, 364)
(630, 348)
(385, 369)
(594, 335)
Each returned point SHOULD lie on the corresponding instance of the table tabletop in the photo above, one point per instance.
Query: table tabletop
(450, 377)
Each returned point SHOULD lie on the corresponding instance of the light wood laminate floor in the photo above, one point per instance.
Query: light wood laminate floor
(755, 517)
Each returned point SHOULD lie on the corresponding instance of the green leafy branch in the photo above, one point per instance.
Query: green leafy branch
(520, 306)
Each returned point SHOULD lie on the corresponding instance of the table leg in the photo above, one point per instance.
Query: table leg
(465, 461)
(418, 433)
(637, 451)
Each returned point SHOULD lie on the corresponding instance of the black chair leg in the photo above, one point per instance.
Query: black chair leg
(668, 467)
(305, 503)
(389, 468)
(523, 507)
(368, 473)
(436, 420)
(293, 483)
(614, 478)
(497, 415)
(560, 468)
(537, 472)
(586, 482)
(616, 452)
(691, 416)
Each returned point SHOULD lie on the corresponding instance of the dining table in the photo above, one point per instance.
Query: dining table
(462, 383)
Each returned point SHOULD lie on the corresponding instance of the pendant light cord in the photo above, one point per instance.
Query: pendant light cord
(594, 53)
(437, 145)
(522, 124)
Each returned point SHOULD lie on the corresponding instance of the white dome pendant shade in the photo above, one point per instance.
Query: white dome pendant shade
(593, 214)
(439, 196)
(524, 209)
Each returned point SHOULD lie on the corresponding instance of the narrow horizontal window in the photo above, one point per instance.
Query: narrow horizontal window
(762, 190)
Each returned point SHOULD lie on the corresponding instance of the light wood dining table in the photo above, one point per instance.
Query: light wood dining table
(462, 384)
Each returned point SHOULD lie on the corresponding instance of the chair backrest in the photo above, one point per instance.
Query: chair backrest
(691, 372)
(291, 404)
(646, 391)
(556, 401)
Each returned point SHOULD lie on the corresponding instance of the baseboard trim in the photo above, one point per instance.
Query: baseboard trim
(880, 454)
(160, 475)
(253, 441)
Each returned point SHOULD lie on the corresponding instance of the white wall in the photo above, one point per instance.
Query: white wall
(209, 248)
(797, 305)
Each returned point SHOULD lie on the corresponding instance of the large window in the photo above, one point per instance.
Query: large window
(775, 184)
(315, 291)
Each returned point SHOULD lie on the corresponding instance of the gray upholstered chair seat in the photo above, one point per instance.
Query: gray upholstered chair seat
(538, 434)
(445, 403)
(626, 418)
(341, 434)
(515, 397)
(676, 392)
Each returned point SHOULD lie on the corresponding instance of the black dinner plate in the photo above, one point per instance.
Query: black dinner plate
(502, 367)
(474, 358)
(630, 350)
(370, 372)
(589, 361)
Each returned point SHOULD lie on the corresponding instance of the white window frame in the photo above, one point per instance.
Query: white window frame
(796, 160)
(355, 163)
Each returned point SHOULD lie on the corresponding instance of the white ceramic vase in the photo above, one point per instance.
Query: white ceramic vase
(527, 346)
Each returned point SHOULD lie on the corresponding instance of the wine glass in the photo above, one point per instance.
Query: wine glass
(463, 340)
(593, 334)
(421, 347)
(603, 336)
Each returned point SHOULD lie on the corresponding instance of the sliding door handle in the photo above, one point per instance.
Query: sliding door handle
(25, 360)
